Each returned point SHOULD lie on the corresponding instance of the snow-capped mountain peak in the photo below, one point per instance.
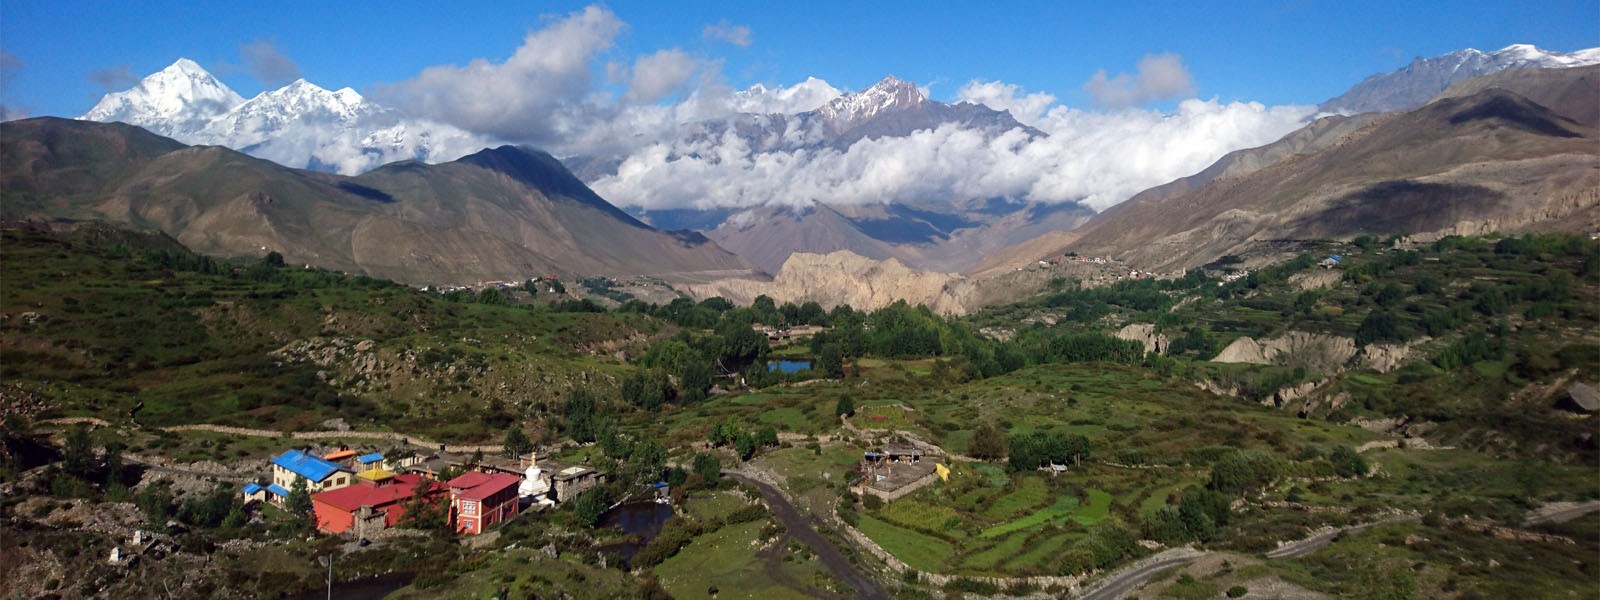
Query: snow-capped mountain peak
(169, 101)
(888, 95)
(802, 97)
(299, 125)
(1418, 82)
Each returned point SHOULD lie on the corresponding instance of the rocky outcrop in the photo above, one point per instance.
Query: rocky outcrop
(1314, 351)
(1387, 357)
(844, 277)
(1145, 333)
(1288, 395)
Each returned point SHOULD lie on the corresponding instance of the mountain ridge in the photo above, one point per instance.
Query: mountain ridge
(300, 125)
(1489, 161)
(453, 223)
(1423, 78)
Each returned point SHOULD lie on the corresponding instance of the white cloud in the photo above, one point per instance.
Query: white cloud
(801, 97)
(738, 35)
(1028, 108)
(1098, 159)
(689, 153)
(266, 63)
(657, 75)
(1161, 77)
(537, 95)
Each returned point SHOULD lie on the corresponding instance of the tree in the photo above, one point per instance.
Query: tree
(722, 434)
(695, 379)
(273, 259)
(1378, 326)
(579, 416)
(156, 504)
(846, 407)
(647, 461)
(746, 445)
(767, 436)
(592, 504)
(298, 505)
(1346, 462)
(1243, 471)
(987, 443)
(113, 461)
(425, 509)
(708, 467)
(647, 388)
(831, 361)
(490, 295)
(77, 456)
(517, 442)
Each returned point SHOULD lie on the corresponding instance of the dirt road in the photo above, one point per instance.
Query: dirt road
(827, 553)
(1122, 583)
(1316, 542)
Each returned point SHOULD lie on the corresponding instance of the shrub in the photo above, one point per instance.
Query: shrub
(872, 502)
(1237, 591)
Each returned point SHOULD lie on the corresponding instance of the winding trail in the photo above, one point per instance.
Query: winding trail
(802, 529)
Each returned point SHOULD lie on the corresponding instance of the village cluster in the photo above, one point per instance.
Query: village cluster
(361, 494)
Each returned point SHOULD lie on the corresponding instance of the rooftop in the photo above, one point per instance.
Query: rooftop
(469, 480)
(340, 455)
(307, 465)
(484, 486)
(367, 459)
(354, 497)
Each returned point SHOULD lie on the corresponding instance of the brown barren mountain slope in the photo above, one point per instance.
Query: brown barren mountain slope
(505, 213)
(1568, 92)
(1491, 161)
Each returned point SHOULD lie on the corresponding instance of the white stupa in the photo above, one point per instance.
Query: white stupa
(533, 483)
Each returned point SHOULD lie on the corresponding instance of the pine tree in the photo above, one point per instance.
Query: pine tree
(517, 442)
(298, 505)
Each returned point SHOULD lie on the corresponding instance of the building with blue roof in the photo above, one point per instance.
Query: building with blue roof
(368, 459)
(254, 492)
(319, 473)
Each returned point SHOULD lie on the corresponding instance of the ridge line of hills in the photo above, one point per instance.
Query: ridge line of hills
(505, 213)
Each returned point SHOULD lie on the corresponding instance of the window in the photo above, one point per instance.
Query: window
(469, 507)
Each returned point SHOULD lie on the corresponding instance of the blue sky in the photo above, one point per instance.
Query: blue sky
(1293, 52)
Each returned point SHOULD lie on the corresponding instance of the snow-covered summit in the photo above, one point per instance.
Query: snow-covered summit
(299, 125)
(805, 96)
(1418, 82)
(172, 101)
(888, 95)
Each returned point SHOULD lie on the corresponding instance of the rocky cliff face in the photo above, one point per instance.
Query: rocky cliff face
(846, 278)
(1388, 357)
(1145, 333)
(1314, 351)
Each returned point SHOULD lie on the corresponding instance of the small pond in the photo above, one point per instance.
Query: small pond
(789, 366)
(640, 520)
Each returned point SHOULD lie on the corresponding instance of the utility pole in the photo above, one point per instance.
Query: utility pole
(328, 560)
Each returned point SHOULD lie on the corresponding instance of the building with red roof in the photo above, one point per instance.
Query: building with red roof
(478, 500)
(368, 506)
